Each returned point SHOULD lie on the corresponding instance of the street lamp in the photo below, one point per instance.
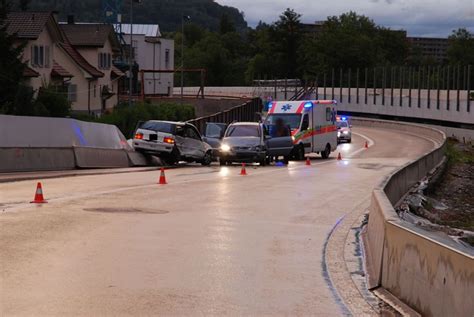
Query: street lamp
(183, 18)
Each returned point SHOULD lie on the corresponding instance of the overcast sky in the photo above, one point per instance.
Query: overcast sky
(419, 17)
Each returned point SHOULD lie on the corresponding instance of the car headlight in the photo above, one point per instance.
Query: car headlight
(225, 148)
(338, 133)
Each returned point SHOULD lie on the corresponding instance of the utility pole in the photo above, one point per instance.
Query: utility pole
(130, 59)
(183, 18)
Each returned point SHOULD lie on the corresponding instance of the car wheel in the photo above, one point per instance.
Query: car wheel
(298, 153)
(286, 160)
(327, 151)
(207, 160)
(222, 162)
(263, 162)
(349, 141)
(173, 157)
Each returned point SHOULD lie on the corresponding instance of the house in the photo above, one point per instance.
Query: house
(52, 59)
(99, 45)
(151, 52)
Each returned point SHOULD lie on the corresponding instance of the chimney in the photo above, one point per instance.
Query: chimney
(70, 19)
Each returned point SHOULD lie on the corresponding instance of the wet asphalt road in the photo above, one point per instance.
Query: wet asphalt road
(211, 242)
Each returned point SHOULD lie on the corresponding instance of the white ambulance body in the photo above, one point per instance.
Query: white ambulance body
(312, 124)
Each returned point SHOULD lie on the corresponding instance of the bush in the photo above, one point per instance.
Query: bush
(51, 102)
(126, 117)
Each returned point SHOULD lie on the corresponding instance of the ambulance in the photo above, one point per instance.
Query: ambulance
(311, 124)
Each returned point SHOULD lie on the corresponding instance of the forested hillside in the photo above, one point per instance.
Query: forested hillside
(167, 13)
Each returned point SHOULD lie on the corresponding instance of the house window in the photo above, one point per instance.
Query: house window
(72, 93)
(40, 56)
(167, 59)
(105, 60)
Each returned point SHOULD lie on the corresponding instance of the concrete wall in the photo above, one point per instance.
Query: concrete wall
(38, 143)
(428, 272)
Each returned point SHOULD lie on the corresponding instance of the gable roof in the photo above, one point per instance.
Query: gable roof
(59, 71)
(29, 72)
(29, 25)
(80, 60)
(90, 34)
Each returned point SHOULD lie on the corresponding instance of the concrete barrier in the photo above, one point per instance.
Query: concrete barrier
(428, 272)
(41, 143)
(100, 158)
(36, 159)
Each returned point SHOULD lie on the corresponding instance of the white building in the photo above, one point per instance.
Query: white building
(151, 52)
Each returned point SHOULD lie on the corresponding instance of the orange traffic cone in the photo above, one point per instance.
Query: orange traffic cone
(243, 171)
(39, 199)
(162, 177)
(308, 161)
(366, 145)
(339, 157)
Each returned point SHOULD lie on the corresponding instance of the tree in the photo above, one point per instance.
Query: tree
(461, 47)
(352, 41)
(288, 32)
(226, 25)
(11, 66)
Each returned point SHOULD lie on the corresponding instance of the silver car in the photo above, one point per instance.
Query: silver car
(172, 142)
(344, 132)
(250, 142)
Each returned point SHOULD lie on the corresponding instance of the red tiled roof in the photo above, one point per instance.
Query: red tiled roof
(29, 72)
(80, 60)
(59, 71)
(89, 34)
(27, 25)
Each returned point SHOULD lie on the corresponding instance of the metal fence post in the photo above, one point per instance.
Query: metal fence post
(357, 84)
(324, 85)
(383, 86)
(447, 88)
(401, 86)
(349, 86)
(332, 85)
(340, 84)
(419, 87)
(437, 87)
(375, 85)
(366, 76)
(392, 76)
(468, 88)
(457, 87)
(409, 86)
(428, 81)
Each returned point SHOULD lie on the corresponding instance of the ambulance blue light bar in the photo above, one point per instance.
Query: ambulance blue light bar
(308, 105)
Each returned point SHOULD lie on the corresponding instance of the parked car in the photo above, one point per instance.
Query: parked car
(250, 142)
(344, 132)
(172, 142)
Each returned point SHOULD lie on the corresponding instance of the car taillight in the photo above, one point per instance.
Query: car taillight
(139, 136)
(168, 140)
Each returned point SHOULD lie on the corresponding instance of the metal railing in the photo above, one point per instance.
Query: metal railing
(245, 112)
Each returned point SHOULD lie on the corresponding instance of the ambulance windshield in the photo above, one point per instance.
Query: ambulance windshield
(292, 120)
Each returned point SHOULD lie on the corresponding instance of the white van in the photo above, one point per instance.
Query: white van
(311, 123)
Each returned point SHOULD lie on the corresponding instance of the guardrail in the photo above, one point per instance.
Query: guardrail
(429, 273)
(244, 112)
